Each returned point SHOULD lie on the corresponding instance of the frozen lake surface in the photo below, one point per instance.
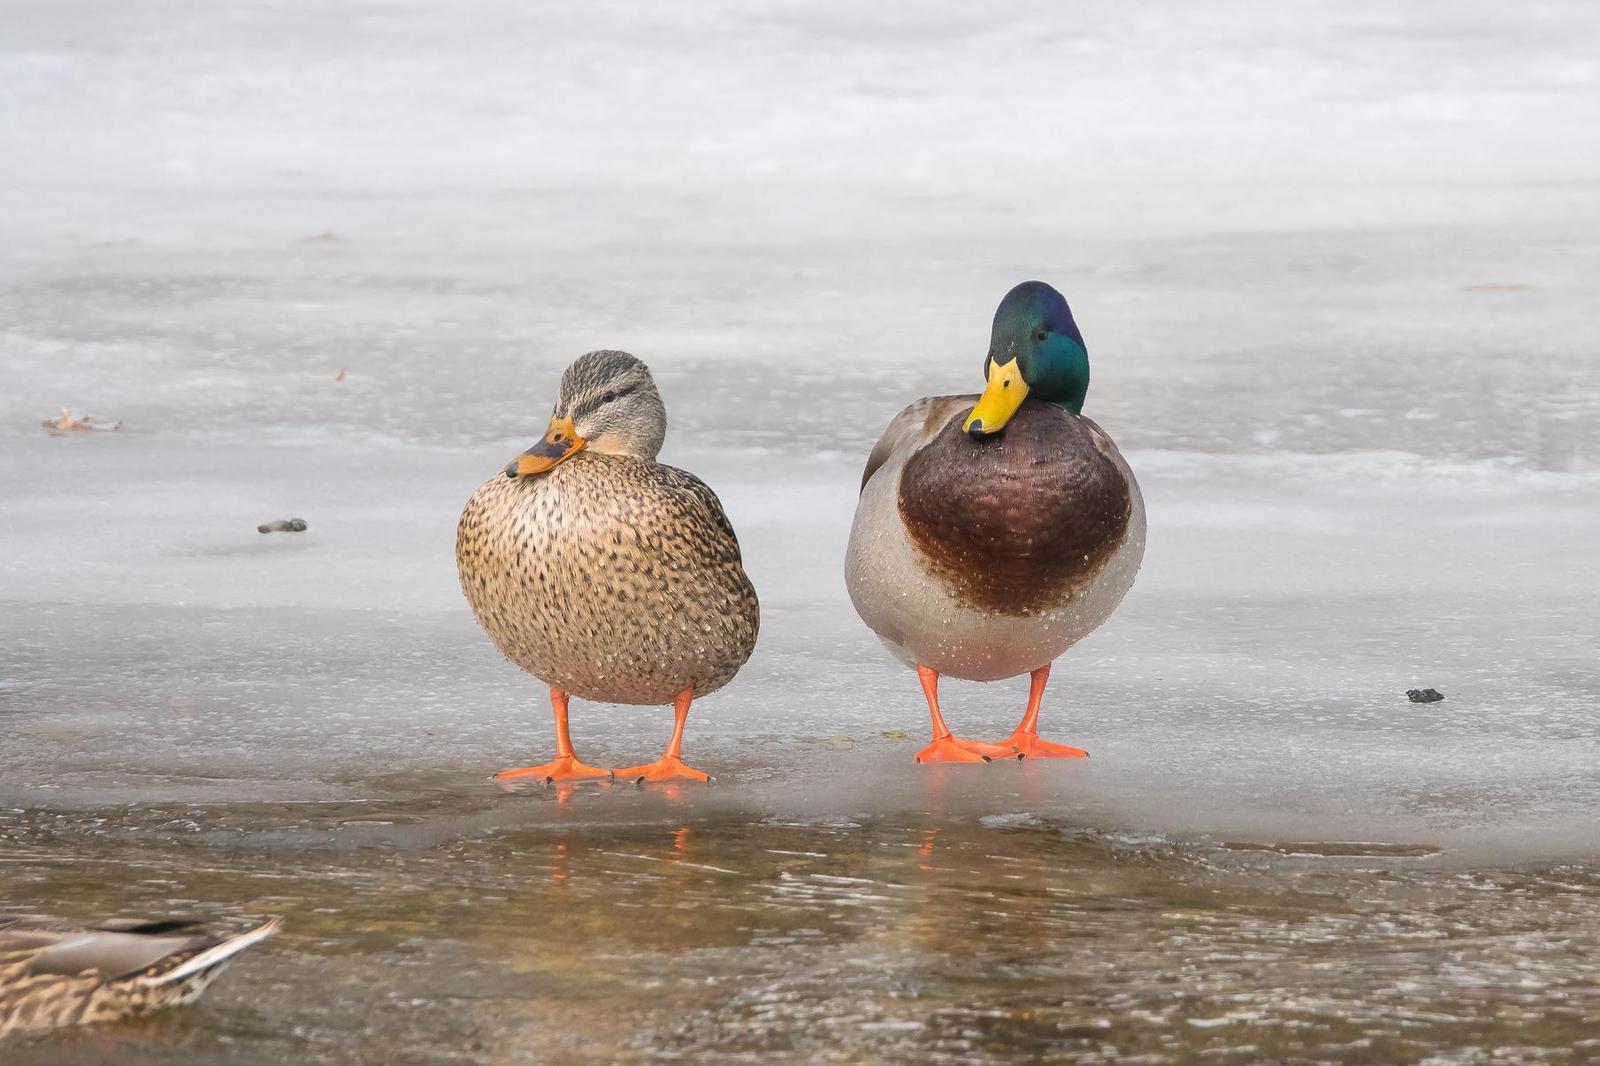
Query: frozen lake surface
(1335, 266)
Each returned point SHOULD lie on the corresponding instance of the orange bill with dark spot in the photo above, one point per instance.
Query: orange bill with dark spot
(561, 442)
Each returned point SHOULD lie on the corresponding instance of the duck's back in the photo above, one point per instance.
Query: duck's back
(613, 578)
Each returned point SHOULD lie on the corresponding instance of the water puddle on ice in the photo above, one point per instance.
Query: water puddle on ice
(420, 932)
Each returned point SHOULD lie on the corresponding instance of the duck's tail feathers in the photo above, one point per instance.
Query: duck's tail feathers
(217, 954)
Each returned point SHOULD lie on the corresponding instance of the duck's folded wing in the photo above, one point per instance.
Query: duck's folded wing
(921, 420)
(64, 953)
(704, 504)
(115, 948)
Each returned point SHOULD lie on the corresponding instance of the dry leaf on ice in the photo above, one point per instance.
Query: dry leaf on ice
(66, 423)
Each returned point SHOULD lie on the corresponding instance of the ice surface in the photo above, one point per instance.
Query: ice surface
(1335, 264)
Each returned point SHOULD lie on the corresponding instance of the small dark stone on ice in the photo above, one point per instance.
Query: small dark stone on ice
(1424, 695)
(283, 525)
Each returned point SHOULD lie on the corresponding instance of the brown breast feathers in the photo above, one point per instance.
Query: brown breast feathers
(1016, 522)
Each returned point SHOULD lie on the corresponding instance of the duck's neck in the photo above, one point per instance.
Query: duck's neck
(1064, 374)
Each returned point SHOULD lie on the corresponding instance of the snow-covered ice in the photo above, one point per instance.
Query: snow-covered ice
(1335, 265)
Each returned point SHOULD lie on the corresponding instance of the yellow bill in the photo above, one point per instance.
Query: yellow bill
(561, 442)
(1001, 398)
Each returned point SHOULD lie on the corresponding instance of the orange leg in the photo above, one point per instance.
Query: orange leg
(945, 748)
(1025, 740)
(565, 766)
(670, 766)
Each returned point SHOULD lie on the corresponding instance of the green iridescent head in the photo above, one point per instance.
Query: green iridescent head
(1035, 350)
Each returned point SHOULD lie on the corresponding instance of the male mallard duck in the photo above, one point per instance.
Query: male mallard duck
(995, 532)
(604, 573)
(57, 975)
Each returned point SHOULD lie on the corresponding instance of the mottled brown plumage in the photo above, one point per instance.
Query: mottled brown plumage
(1015, 522)
(611, 577)
(606, 574)
(54, 975)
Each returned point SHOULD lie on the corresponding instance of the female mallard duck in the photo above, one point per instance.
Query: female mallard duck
(996, 531)
(57, 975)
(604, 573)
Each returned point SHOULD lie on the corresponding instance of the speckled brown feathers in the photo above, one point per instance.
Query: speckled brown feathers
(54, 975)
(611, 577)
(1015, 522)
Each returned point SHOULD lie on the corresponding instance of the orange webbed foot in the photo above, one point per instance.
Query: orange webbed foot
(561, 768)
(949, 749)
(1003, 750)
(1029, 746)
(666, 768)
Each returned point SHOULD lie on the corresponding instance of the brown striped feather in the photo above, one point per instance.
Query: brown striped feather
(55, 975)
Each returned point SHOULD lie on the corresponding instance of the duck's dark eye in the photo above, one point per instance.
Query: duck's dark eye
(1042, 335)
(608, 397)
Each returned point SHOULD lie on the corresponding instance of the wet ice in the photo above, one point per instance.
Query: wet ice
(1335, 270)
